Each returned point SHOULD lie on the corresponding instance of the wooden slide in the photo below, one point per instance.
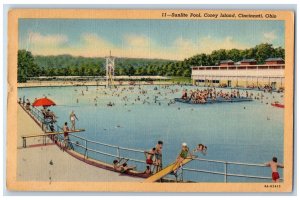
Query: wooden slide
(165, 171)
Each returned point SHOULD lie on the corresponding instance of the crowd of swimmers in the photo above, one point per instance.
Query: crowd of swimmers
(158, 95)
(144, 96)
(211, 94)
(202, 96)
(266, 88)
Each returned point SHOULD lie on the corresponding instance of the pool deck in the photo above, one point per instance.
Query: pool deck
(50, 163)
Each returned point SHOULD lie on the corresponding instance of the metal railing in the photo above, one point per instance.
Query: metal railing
(86, 143)
(225, 172)
(34, 112)
(117, 149)
(37, 115)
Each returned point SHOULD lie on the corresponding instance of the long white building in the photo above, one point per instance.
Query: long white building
(245, 73)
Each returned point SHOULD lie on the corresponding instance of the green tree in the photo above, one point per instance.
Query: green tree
(234, 54)
(26, 66)
(264, 51)
(279, 53)
(219, 55)
(187, 73)
(130, 71)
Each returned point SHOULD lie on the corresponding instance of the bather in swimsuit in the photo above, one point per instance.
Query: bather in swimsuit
(275, 176)
(184, 154)
(149, 161)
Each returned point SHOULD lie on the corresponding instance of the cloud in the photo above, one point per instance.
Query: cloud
(208, 44)
(93, 39)
(270, 36)
(47, 40)
(88, 45)
(133, 45)
(184, 43)
(185, 48)
(91, 45)
(137, 40)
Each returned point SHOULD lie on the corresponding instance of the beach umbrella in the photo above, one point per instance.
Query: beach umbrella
(43, 102)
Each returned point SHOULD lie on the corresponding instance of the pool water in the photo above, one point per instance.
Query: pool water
(250, 132)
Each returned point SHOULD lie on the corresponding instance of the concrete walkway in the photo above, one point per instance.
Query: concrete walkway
(49, 163)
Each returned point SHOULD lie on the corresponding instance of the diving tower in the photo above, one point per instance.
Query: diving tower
(110, 69)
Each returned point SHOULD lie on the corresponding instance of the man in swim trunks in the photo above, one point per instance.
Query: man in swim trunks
(274, 166)
(149, 156)
(158, 155)
(185, 153)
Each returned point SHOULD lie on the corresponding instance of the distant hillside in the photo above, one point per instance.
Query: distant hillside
(63, 61)
(84, 66)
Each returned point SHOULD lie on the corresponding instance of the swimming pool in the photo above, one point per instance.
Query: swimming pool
(250, 132)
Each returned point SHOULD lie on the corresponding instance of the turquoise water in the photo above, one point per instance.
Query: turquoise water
(250, 132)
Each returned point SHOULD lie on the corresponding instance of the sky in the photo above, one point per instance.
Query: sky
(164, 39)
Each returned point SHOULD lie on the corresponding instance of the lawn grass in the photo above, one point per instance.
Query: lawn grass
(181, 80)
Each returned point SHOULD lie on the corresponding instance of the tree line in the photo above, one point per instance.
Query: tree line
(67, 65)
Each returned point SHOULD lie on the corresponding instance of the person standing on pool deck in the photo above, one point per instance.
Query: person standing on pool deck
(149, 156)
(158, 155)
(274, 166)
(66, 135)
(73, 117)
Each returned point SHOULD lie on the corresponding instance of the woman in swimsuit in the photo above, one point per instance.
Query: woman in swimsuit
(73, 117)
(185, 152)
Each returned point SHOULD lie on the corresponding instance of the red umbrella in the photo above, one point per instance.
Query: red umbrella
(43, 102)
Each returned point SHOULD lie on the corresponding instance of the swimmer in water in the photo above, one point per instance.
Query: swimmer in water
(201, 148)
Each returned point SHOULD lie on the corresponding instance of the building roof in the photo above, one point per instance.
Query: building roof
(226, 61)
(248, 60)
(274, 59)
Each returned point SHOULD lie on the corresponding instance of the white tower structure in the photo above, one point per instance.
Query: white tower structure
(110, 69)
